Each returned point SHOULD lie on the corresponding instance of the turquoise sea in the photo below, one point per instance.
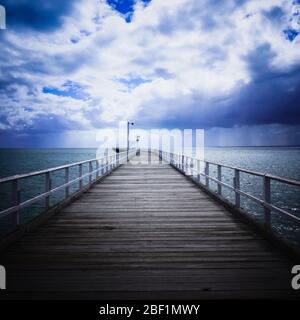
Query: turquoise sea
(281, 161)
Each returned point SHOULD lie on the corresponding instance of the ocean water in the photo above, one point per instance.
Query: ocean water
(281, 161)
(19, 161)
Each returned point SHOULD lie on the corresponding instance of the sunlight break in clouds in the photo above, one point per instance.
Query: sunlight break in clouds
(176, 59)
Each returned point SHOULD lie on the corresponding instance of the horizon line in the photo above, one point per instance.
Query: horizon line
(232, 146)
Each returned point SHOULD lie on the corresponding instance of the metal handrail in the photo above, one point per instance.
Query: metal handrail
(180, 161)
(37, 173)
(256, 173)
(108, 164)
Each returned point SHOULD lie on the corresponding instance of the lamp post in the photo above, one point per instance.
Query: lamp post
(128, 124)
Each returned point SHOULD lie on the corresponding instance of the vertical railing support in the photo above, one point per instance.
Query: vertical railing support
(80, 177)
(67, 179)
(220, 179)
(182, 163)
(16, 201)
(237, 187)
(47, 188)
(198, 171)
(207, 174)
(160, 150)
(102, 167)
(193, 167)
(97, 169)
(149, 155)
(187, 168)
(90, 172)
(267, 199)
(111, 163)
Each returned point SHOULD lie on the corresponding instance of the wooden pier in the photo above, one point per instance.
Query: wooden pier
(146, 231)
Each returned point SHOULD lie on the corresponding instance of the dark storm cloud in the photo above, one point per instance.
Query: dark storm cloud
(40, 15)
(272, 97)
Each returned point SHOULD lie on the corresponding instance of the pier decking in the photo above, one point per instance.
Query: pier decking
(145, 231)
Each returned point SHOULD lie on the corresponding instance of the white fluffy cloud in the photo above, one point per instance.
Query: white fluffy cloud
(173, 55)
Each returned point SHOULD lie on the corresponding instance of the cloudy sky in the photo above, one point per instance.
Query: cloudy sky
(70, 67)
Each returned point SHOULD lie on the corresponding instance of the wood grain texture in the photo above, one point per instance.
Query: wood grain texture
(144, 232)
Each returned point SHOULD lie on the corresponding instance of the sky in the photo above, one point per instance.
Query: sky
(69, 68)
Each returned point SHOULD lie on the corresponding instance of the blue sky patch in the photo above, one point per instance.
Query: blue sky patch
(290, 34)
(69, 89)
(125, 7)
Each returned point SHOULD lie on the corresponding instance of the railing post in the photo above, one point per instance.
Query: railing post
(220, 179)
(80, 176)
(186, 165)
(102, 167)
(97, 169)
(67, 179)
(182, 163)
(16, 201)
(193, 167)
(198, 171)
(160, 149)
(237, 187)
(47, 188)
(267, 199)
(90, 171)
(110, 163)
(207, 174)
